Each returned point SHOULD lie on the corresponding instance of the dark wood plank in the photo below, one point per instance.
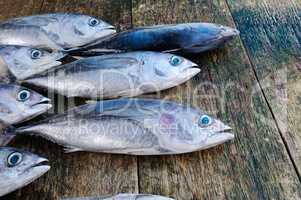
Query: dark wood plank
(256, 165)
(10, 9)
(271, 32)
(80, 174)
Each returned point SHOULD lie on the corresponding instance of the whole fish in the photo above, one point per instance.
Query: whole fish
(117, 75)
(59, 31)
(186, 38)
(18, 104)
(124, 197)
(131, 126)
(22, 62)
(19, 168)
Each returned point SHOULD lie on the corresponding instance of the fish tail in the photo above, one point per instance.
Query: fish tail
(7, 136)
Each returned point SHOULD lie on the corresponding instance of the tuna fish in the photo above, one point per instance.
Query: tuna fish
(60, 31)
(131, 126)
(22, 62)
(117, 75)
(19, 168)
(124, 197)
(177, 38)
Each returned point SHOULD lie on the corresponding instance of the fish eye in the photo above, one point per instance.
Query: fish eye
(14, 159)
(23, 95)
(205, 120)
(93, 22)
(36, 54)
(175, 60)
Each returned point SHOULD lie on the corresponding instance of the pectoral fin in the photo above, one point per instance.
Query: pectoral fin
(69, 149)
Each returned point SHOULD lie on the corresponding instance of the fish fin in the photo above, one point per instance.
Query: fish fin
(69, 149)
(105, 51)
(172, 50)
(130, 108)
(94, 52)
(78, 57)
(108, 62)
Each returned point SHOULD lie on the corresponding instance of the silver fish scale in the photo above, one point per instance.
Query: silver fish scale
(103, 133)
(33, 37)
(91, 82)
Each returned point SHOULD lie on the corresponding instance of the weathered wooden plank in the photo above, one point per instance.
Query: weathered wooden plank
(271, 32)
(80, 174)
(256, 165)
(10, 9)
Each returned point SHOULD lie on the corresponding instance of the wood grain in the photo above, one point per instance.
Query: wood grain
(11, 9)
(256, 165)
(271, 32)
(77, 174)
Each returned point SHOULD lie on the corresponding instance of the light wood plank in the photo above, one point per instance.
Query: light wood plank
(18, 8)
(271, 32)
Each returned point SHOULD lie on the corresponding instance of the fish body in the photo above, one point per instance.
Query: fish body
(22, 62)
(186, 38)
(60, 31)
(117, 75)
(132, 126)
(124, 197)
(19, 168)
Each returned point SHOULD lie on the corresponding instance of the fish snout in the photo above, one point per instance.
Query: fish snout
(43, 101)
(39, 167)
(220, 134)
(107, 26)
(220, 138)
(229, 32)
(191, 70)
(42, 106)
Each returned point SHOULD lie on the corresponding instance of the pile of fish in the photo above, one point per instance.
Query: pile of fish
(108, 68)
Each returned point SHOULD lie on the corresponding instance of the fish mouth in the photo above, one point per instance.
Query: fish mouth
(220, 137)
(191, 71)
(40, 167)
(110, 29)
(44, 104)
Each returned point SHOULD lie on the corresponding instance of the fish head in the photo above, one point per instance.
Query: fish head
(19, 168)
(24, 62)
(168, 69)
(79, 30)
(19, 104)
(207, 36)
(205, 131)
(190, 129)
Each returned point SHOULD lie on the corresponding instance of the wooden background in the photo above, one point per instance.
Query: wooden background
(253, 84)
